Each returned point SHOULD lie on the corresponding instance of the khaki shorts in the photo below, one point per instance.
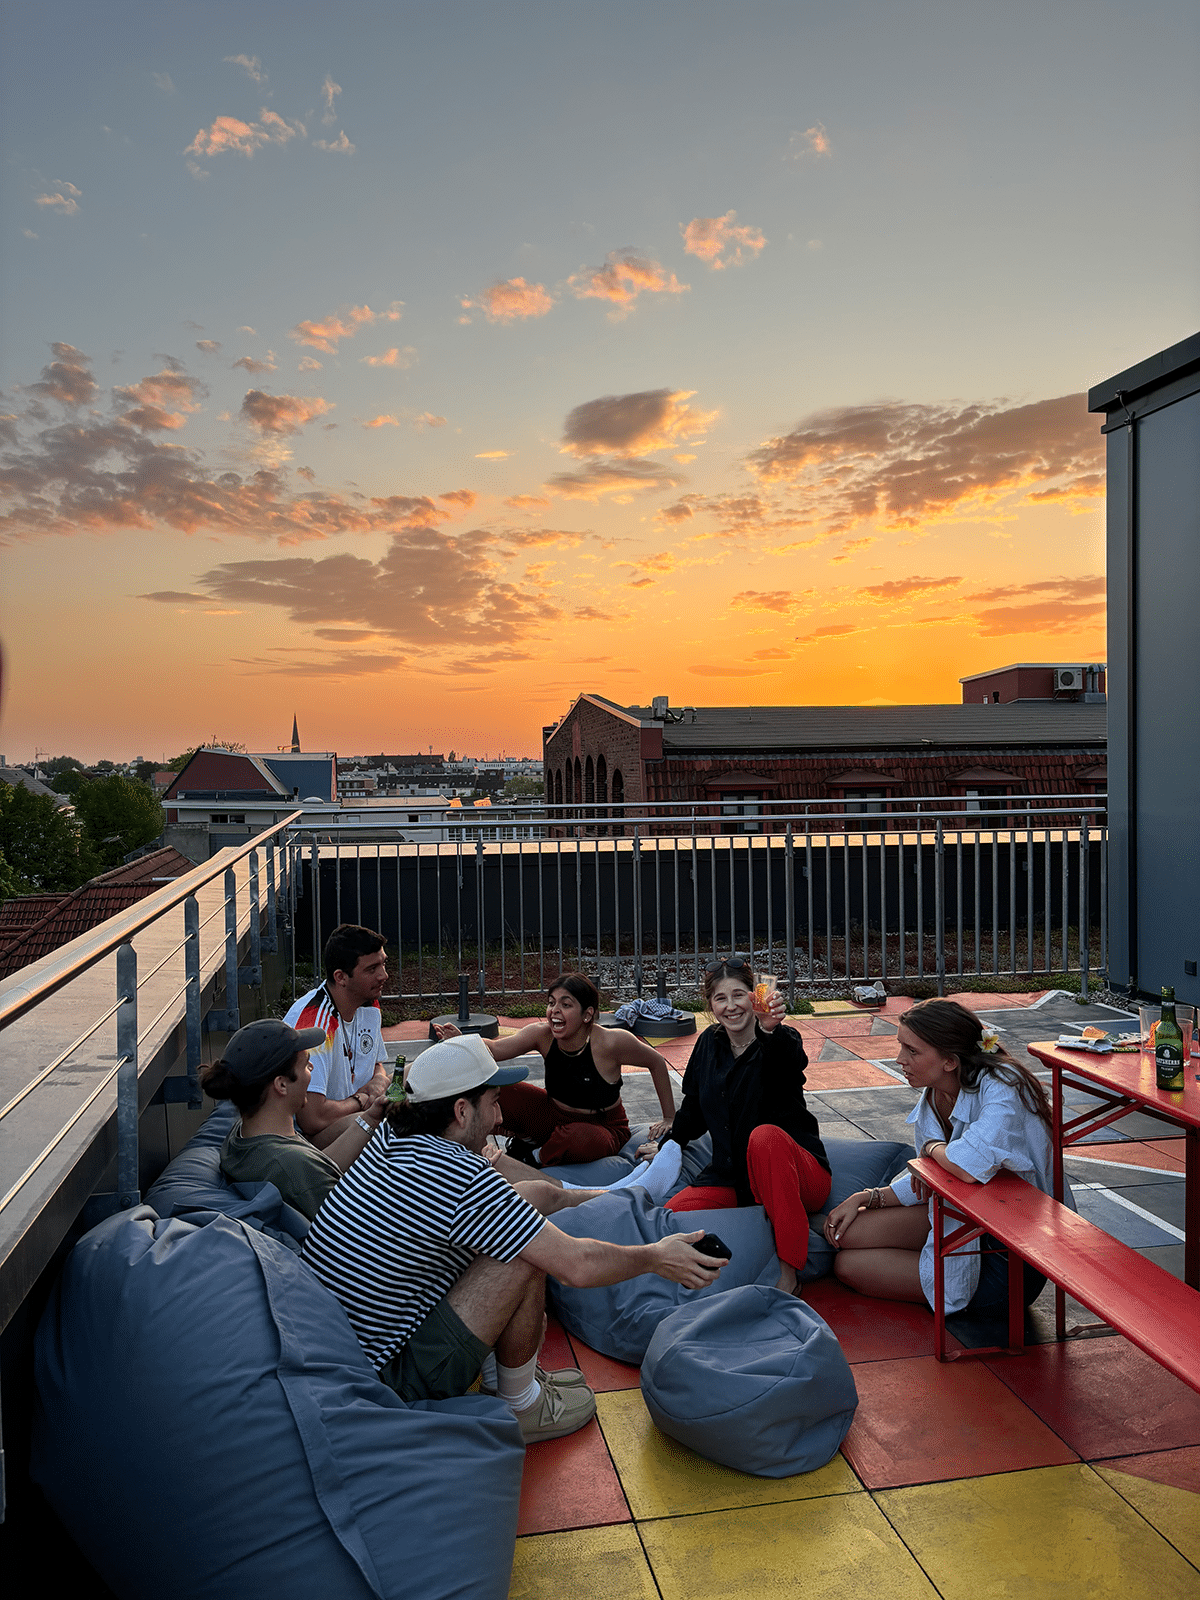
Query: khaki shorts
(441, 1359)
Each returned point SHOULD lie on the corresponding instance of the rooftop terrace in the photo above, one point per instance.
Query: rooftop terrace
(1072, 1470)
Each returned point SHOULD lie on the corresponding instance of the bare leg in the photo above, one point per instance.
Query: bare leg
(879, 1253)
(492, 1296)
(517, 1172)
(787, 1281)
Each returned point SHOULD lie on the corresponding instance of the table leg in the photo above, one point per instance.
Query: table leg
(939, 1281)
(1016, 1301)
(1191, 1207)
(1056, 1108)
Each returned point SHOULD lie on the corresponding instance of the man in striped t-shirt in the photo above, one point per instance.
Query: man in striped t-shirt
(437, 1261)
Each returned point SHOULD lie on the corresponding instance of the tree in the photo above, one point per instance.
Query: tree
(60, 764)
(41, 843)
(523, 789)
(144, 772)
(70, 781)
(118, 815)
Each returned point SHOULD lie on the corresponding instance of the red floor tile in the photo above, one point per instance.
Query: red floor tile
(838, 1027)
(1180, 1469)
(1132, 1153)
(570, 1483)
(872, 1330)
(923, 1421)
(844, 1075)
(601, 1372)
(1103, 1396)
(556, 1347)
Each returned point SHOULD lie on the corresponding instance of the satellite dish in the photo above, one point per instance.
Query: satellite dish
(312, 800)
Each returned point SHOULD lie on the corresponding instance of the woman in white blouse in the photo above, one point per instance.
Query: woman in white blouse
(980, 1110)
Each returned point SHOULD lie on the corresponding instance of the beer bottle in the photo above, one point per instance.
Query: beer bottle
(395, 1090)
(1168, 1045)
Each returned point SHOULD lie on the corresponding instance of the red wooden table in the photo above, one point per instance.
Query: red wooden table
(1125, 1082)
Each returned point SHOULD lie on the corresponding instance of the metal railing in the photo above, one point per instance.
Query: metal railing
(18, 999)
(825, 894)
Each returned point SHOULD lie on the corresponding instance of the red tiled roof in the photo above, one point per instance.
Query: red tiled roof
(64, 917)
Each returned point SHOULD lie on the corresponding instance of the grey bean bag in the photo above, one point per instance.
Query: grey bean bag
(207, 1426)
(753, 1379)
(854, 1164)
(620, 1318)
(599, 1174)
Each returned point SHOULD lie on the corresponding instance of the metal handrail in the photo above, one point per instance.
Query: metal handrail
(22, 998)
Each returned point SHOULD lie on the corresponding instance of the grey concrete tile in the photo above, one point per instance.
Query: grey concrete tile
(831, 1050)
(1113, 1176)
(1168, 1256)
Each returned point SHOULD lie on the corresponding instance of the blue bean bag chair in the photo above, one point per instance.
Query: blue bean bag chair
(619, 1319)
(854, 1164)
(207, 1426)
(599, 1174)
(753, 1379)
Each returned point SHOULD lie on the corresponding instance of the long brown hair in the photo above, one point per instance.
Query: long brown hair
(955, 1031)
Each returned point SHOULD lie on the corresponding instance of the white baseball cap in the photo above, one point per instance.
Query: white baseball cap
(456, 1066)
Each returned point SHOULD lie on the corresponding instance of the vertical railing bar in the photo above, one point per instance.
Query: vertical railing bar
(1012, 900)
(191, 972)
(231, 962)
(883, 916)
(521, 907)
(657, 906)
(978, 907)
(421, 924)
(731, 840)
(828, 905)
(866, 898)
(750, 897)
(808, 875)
(995, 903)
(695, 899)
(503, 920)
(1066, 893)
(541, 921)
(770, 901)
(939, 905)
(789, 911)
(128, 1190)
(378, 886)
(558, 864)
(675, 867)
(846, 898)
(272, 920)
(920, 897)
(639, 935)
(617, 916)
(958, 898)
(255, 923)
(1104, 901)
(1029, 888)
(399, 928)
(1084, 952)
(596, 873)
(315, 872)
(480, 922)
(579, 894)
(712, 884)
(358, 916)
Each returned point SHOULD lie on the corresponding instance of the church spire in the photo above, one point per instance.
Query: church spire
(295, 735)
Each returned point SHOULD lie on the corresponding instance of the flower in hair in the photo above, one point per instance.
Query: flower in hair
(989, 1040)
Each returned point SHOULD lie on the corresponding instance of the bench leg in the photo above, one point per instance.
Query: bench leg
(939, 1284)
(1016, 1302)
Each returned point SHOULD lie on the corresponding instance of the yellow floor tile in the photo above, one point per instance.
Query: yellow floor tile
(1055, 1533)
(664, 1479)
(834, 1549)
(590, 1564)
(1174, 1512)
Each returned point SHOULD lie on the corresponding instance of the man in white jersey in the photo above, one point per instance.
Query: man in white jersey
(350, 1069)
(437, 1261)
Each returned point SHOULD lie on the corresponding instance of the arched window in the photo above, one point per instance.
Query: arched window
(618, 790)
(589, 783)
(558, 799)
(568, 785)
(601, 780)
(578, 781)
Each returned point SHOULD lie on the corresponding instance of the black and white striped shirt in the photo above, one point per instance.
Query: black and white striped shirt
(403, 1225)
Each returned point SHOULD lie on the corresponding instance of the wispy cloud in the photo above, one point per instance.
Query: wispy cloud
(309, 364)
(492, 455)
(329, 93)
(907, 463)
(625, 275)
(512, 300)
(813, 141)
(250, 65)
(208, 347)
(382, 421)
(327, 333)
(595, 479)
(68, 378)
(232, 136)
(628, 425)
(395, 357)
(897, 589)
(281, 413)
(253, 365)
(340, 146)
(779, 600)
(428, 419)
(459, 499)
(720, 243)
(527, 502)
(159, 402)
(162, 81)
(63, 202)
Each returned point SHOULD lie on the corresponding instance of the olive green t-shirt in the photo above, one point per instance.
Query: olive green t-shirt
(301, 1173)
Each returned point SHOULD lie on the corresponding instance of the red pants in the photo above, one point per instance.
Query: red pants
(786, 1180)
(564, 1136)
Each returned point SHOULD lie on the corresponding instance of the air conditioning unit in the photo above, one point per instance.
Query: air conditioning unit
(1068, 680)
(658, 707)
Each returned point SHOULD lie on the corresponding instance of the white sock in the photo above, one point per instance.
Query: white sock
(663, 1173)
(631, 1177)
(537, 1155)
(487, 1373)
(518, 1385)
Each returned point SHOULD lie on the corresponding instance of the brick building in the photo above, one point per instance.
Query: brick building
(737, 760)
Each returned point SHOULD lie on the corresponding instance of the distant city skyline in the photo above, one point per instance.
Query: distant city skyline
(420, 368)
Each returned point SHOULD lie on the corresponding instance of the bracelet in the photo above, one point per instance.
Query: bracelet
(357, 1097)
(364, 1125)
(875, 1203)
(930, 1146)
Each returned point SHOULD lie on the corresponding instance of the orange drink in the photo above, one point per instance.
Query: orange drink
(764, 987)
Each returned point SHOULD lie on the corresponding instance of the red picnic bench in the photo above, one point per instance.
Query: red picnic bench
(1134, 1296)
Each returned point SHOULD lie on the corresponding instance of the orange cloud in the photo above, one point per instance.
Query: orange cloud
(717, 241)
(65, 202)
(813, 141)
(395, 357)
(461, 499)
(624, 276)
(907, 463)
(151, 400)
(907, 588)
(763, 600)
(281, 413)
(67, 378)
(527, 502)
(595, 479)
(512, 300)
(428, 419)
(340, 146)
(629, 425)
(208, 347)
(251, 65)
(231, 136)
(382, 422)
(327, 334)
(254, 366)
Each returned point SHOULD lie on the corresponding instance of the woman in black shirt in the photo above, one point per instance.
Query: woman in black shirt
(744, 1085)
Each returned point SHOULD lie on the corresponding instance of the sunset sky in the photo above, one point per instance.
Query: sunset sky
(418, 367)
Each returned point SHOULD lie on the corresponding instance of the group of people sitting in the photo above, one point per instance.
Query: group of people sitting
(437, 1245)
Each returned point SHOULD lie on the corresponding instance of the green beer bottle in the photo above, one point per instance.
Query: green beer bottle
(395, 1090)
(1168, 1045)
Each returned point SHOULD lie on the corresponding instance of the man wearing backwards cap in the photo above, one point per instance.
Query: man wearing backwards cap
(437, 1260)
(265, 1071)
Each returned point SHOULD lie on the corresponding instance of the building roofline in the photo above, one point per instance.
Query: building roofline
(1020, 666)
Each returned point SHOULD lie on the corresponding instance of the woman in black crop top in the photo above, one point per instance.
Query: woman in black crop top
(578, 1116)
